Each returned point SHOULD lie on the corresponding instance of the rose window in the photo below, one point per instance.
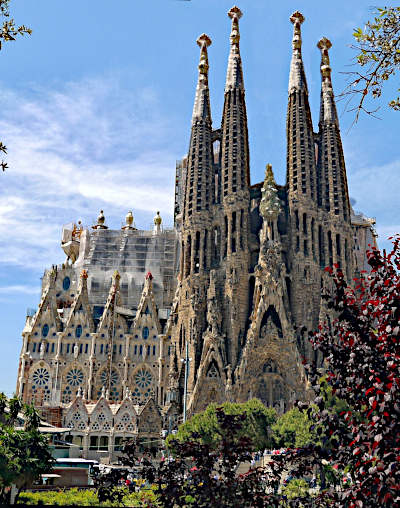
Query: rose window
(104, 377)
(41, 377)
(75, 377)
(143, 378)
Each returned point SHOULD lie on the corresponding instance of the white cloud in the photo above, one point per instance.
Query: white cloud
(27, 290)
(74, 150)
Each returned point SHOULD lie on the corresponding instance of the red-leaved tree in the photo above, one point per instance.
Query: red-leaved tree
(361, 348)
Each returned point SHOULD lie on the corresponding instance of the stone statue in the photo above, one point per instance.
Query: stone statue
(41, 350)
(76, 351)
(228, 386)
(213, 317)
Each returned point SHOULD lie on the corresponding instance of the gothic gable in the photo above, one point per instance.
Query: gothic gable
(76, 416)
(125, 419)
(101, 418)
(150, 419)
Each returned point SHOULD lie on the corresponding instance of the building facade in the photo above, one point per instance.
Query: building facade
(223, 301)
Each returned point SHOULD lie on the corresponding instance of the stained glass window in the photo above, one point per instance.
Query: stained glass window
(143, 378)
(45, 330)
(66, 283)
(41, 377)
(145, 332)
(75, 377)
(78, 331)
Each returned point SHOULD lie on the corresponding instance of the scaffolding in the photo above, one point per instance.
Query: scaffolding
(133, 253)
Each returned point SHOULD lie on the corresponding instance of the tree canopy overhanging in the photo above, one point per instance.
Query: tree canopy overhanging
(378, 54)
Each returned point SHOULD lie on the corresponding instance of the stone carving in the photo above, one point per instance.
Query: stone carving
(213, 317)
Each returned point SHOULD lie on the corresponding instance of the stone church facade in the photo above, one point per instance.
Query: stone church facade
(223, 300)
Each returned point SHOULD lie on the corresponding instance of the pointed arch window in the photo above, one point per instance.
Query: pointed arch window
(45, 330)
(78, 331)
(66, 283)
(145, 332)
(147, 311)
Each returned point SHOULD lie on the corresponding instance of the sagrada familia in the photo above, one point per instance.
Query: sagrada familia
(138, 326)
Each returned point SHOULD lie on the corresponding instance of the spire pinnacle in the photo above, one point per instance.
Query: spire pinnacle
(328, 108)
(201, 109)
(297, 78)
(297, 19)
(234, 75)
(203, 41)
(325, 45)
(235, 14)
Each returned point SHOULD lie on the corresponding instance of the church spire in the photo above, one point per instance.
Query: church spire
(199, 181)
(333, 192)
(201, 109)
(234, 135)
(301, 167)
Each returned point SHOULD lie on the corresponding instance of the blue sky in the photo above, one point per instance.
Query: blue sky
(95, 108)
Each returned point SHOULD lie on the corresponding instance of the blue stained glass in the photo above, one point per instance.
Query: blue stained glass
(78, 331)
(145, 332)
(45, 330)
(66, 283)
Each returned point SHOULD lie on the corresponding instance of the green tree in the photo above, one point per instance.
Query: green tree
(8, 32)
(378, 53)
(256, 424)
(24, 454)
(293, 429)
